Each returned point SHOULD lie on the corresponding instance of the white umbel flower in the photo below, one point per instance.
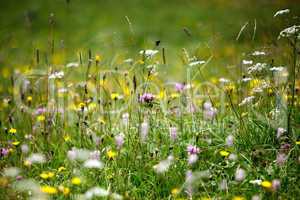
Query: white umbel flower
(93, 163)
(198, 62)
(281, 12)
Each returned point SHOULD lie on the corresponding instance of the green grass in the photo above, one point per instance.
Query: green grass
(83, 116)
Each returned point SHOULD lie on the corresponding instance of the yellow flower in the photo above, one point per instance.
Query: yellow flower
(98, 58)
(67, 138)
(126, 91)
(229, 88)
(224, 153)
(111, 154)
(48, 189)
(29, 98)
(76, 181)
(266, 184)
(27, 163)
(175, 191)
(12, 130)
(101, 120)
(46, 175)
(41, 118)
(92, 105)
(140, 62)
(205, 198)
(81, 105)
(174, 95)
(64, 190)
(238, 198)
(114, 96)
(298, 142)
(161, 95)
(60, 169)
(16, 143)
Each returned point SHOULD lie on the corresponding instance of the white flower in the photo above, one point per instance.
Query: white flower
(257, 67)
(240, 174)
(198, 62)
(57, 75)
(36, 158)
(93, 163)
(96, 192)
(258, 53)
(11, 171)
(62, 90)
(129, 60)
(281, 12)
(247, 62)
(247, 100)
(163, 165)
(290, 31)
(277, 69)
(72, 64)
(224, 80)
(255, 182)
(246, 79)
(78, 154)
(144, 131)
(148, 53)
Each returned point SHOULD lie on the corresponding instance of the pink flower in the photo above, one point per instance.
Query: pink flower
(146, 98)
(276, 184)
(40, 111)
(192, 149)
(173, 133)
(281, 159)
(240, 174)
(229, 140)
(4, 152)
(280, 131)
(119, 139)
(179, 87)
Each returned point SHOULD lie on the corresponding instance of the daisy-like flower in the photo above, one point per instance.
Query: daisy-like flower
(40, 118)
(12, 130)
(224, 153)
(76, 181)
(64, 190)
(47, 175)
(266, 184)
(111, 154)
(48, 189)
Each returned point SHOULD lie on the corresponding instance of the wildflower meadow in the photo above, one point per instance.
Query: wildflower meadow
(175, 100)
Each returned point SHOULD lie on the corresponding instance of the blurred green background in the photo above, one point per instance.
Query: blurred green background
(118, 29)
